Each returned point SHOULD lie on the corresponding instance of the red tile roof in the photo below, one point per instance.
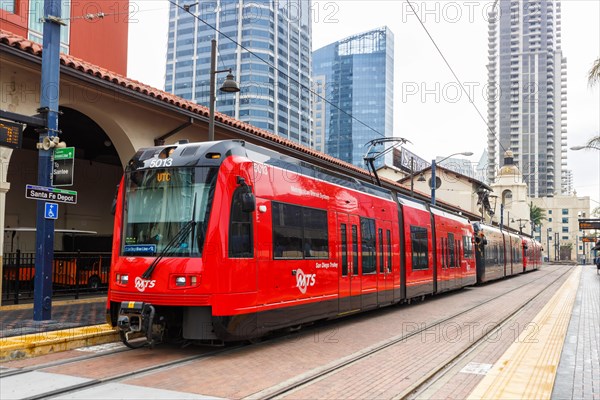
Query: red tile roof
(85, 67)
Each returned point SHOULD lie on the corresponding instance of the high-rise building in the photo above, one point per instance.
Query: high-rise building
(527, 93)
(355, 77)
(81, 30)
(270, 59)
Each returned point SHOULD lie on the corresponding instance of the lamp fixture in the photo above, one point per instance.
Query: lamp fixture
(229, 86)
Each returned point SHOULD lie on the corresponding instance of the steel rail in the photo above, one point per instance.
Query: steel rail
(307, 379)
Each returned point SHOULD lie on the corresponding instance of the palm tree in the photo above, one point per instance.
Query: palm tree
(594, 74)
(594, 78)
(593, 143)
(536, 214)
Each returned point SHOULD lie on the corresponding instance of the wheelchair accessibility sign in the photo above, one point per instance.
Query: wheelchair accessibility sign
(51, 211)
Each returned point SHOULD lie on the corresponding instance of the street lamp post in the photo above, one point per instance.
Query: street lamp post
(548, 230)
(433, 168)
(229, 86)
(577, 247)
(522, 223)
(44, 238)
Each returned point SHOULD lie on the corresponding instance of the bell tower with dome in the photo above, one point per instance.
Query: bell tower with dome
(511, 192)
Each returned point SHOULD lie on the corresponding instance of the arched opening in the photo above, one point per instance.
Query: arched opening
(507, 198)
(97, 171)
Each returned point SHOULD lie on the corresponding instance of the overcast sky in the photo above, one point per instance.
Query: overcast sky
(429, 108)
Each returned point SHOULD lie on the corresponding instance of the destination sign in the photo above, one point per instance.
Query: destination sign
(65, 153)
(592, 223)
(62, 171)
(10, 134)
(140, 249)
(589, 239)
(51, 194)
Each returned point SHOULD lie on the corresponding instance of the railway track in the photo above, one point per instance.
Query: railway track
(294, 385)
(430, 380)
(125, 375)
(426, 380)
(85, 357)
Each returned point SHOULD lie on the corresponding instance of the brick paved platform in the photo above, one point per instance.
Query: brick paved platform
(18, 320)
(74, 323)
(577, 374)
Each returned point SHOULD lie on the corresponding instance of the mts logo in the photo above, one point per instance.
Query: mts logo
(303, 281)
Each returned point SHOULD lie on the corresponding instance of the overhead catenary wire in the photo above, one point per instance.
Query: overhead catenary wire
(101, 15)
(187, 7)
(454, 73)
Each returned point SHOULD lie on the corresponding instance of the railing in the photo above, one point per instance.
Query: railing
(73, 274)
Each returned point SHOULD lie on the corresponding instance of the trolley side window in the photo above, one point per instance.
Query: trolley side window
(367, 232)
(381, 252)
(354, 250)
(443, 252)
(451, 251)
(316, 244)
(299, 232)
(240, 228)
(518, 252)
(468, 246)
(389, 251)
(344, 250)
(419, 246)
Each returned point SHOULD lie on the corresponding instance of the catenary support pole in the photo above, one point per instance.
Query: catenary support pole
(49, 90)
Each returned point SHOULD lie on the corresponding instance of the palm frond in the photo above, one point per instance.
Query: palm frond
(594, 74)
(594, 143)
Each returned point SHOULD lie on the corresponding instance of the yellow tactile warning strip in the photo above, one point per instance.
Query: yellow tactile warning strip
(17, 347)
(528, 368)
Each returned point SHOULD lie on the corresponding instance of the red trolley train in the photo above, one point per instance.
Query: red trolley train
(223, 241)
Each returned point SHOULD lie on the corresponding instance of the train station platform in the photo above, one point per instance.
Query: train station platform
(561, 362)
(74, 323)
(560, 357)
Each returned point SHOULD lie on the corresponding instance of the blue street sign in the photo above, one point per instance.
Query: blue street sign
(51, 210)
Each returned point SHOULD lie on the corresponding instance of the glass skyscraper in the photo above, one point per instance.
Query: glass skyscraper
(354, 81)
(527, 104)
(273, 68)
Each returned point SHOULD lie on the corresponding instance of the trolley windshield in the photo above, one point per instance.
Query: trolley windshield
(159, 203)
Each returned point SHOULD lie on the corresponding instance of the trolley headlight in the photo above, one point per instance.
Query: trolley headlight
(123, 279)
(183, 281)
